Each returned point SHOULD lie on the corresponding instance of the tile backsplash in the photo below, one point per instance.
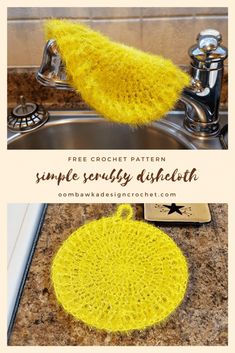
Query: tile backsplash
(159, 30)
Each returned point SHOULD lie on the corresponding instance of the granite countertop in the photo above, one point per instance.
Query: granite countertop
(200, 320)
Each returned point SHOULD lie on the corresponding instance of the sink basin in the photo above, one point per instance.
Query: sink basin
(87, 130)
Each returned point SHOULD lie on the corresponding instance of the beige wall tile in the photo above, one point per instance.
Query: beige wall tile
(172, 37)
(26, 42)
(126, 32)
(115, 12)
(223, 11)
(167, 11)
(182, 11)
(110, 12)
(45, 12)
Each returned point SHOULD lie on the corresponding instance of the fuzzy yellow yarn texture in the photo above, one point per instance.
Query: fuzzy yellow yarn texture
(118, 274)
(124, 84)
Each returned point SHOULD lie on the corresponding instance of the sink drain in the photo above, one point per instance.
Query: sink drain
(27, 116)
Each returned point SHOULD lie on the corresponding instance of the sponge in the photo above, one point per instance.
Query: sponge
(124, 84)
(118, 274)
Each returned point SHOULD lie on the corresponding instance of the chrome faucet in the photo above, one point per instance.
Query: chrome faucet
(201, 99)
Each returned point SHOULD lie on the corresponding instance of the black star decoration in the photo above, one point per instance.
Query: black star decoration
(174, 208)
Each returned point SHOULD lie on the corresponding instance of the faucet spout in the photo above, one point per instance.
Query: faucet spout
(201, 111)
(195, 109)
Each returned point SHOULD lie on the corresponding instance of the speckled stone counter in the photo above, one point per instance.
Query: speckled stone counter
(200, 320)
(23, 82)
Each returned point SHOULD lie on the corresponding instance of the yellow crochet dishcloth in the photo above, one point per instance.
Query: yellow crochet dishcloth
(118, 274)
(124, 84)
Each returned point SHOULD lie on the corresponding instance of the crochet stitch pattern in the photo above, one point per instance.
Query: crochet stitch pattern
(124, 84)
(119, 274)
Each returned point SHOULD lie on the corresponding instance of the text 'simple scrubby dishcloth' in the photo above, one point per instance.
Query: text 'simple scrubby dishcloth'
(118, 274)
(124, 84)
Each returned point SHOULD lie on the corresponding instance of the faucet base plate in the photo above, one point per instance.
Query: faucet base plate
(201, 129)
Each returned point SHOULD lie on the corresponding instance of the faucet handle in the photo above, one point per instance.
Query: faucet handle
(209, 40)
(208, 50)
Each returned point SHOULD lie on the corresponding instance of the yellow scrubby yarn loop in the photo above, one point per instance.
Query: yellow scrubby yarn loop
(118, 274)
(124, 84)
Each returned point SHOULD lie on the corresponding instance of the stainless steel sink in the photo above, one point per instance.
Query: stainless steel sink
(87, 130)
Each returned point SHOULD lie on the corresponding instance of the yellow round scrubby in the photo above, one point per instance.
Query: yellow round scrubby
(118, 274)
(124, 84)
